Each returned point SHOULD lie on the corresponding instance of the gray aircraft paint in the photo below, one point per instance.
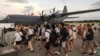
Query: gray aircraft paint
(26, 20)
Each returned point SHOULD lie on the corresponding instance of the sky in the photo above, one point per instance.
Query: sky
(24, 7)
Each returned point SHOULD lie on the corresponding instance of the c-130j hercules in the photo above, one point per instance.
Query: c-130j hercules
(55, 17)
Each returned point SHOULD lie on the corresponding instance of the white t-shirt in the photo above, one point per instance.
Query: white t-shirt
(57, 30)
(71, 34)
(43, 32)
(47, 35)
(75, 29)
(31, 31)
(18, 36)
(93, 28)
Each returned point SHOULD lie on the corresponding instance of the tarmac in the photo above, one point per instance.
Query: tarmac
(42, 52)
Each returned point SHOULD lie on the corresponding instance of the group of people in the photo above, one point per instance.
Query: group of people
(59, 36)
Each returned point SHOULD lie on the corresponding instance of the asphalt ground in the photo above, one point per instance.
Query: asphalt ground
(75, 52)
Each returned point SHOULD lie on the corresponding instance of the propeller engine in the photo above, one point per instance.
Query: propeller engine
(53, 14)
(42, 15)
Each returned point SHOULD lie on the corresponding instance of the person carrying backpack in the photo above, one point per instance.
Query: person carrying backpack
(48, 41)
(63, 34)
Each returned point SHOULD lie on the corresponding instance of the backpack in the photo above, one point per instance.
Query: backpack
(64, 34)
(53, 36)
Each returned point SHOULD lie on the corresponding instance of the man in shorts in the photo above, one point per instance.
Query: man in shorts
(63, 34)
(89, 40)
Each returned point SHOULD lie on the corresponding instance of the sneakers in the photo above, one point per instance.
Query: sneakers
(87, 54)
(94, 51)
(98, 47)
(66, 55)
(84, 53)
(57, 53)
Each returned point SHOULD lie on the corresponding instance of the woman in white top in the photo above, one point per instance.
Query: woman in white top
(57, 29)
(70, 39)
(74, 32)
(30, 34)
(84, 37)
(18, 38)
(48, 44)
(42, 39)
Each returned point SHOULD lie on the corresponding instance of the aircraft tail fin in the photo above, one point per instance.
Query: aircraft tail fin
(64, 10)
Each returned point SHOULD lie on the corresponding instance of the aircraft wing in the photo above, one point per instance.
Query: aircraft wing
(72, 17)
(80, 12)
(74, 13)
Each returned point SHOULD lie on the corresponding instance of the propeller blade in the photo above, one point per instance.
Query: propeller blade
(54, 10)
(57, 12)
(44, 15)
(42, 12)
(50, 11)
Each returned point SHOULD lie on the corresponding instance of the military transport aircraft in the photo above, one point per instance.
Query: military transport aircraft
(55, 17)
